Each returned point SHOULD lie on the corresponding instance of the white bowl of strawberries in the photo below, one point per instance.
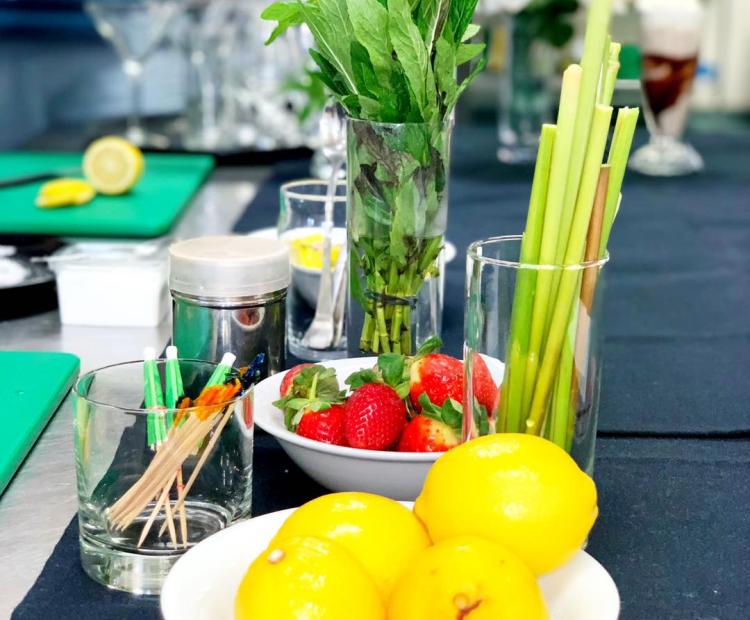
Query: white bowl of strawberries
(372, 424)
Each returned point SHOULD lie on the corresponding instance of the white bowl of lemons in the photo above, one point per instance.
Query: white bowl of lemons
(506, 544)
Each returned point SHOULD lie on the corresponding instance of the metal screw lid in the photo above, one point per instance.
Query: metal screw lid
(223, 266)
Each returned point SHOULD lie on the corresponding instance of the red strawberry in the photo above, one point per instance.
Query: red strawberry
(425, 434)
(439, 376)
(288, 380)
(485, 390)
(375, 417)
(326, 425)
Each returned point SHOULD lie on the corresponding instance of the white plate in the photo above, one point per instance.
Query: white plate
(202, 584)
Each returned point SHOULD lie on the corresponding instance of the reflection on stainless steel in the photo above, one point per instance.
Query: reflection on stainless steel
(41, 500)
(205, 330)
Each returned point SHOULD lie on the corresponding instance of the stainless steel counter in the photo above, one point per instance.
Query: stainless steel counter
(41, 499)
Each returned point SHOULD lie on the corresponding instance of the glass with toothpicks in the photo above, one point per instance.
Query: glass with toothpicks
(156, 479)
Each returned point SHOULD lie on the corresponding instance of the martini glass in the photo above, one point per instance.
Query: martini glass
(135, 28)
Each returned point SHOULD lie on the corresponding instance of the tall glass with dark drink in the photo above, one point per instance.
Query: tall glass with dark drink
(670, 40)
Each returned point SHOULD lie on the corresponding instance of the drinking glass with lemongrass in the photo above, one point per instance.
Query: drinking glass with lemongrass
(532, 300)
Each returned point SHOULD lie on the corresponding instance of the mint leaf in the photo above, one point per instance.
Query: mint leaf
(467, 51)
(288, 14)
(410, 52)
(461, 12)
(471, 31)
(369, 19)
(445, 68)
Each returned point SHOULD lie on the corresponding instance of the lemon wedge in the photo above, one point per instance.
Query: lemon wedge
(307, 252)
(112, 165)
(64, 192)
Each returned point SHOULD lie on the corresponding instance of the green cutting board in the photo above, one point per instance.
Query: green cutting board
(32, 386)
(148, 210)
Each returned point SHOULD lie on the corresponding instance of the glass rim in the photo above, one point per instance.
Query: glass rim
(144, 411)
(290, 185)
(472, 253)
(448, 120)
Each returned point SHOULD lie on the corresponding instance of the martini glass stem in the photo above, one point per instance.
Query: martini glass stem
(134, 70)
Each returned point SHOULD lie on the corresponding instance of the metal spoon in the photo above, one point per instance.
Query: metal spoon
(321, 333)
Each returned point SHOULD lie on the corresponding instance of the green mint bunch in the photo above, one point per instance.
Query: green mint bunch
(392, 64)
(391, 61)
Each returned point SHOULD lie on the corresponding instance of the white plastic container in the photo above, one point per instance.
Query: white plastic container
(112, 283)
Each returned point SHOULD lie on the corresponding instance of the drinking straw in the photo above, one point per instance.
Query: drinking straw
(509, 418)
(220, 373)
(173, 379)
(152, 397)
(174, 392)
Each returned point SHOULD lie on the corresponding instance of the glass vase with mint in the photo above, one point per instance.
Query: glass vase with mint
(392, 64)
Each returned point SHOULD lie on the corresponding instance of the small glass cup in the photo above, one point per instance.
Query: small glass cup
(550, 388)
(300, 226)
(113, 458)
(670, 40)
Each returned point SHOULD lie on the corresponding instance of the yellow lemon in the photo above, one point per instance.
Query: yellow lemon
(381, 534)
(307, 252)
(521, 491)
(64, 192)
(467, 577)
(310, 578)
(112, 165)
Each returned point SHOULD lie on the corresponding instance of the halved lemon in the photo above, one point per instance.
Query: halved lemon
(64, 192)
(112, 165)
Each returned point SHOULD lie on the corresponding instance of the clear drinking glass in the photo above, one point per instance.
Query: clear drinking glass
(550, 388)
(670, 41)
(135, 28)
(112, 455)
(301, 217)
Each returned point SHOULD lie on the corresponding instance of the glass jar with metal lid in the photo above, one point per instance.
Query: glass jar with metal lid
(229, 294)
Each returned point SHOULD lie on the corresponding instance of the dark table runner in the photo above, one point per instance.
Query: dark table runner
(674, 527)
(672, 531)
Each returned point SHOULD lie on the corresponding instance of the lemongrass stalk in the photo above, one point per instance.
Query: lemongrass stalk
(609, 74)
(520, 326)
(562, 401)
(152, 396)
(570, 278)
(619, 151)
(594, 48)
(571, 85)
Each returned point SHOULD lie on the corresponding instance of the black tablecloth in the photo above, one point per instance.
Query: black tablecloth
(673, 532)
(674, 499)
